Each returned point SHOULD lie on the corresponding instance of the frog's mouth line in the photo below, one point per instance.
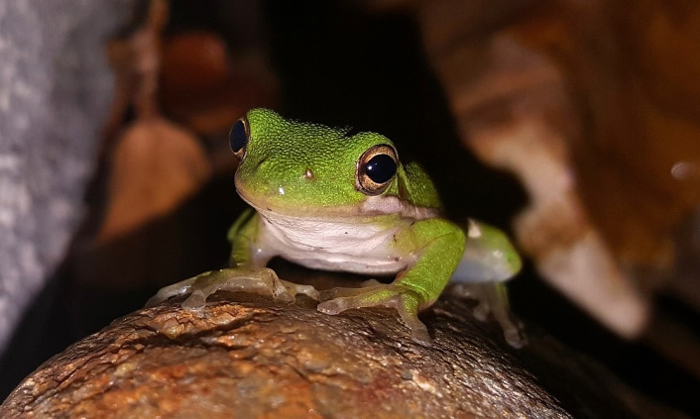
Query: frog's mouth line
(373, 206)
(263, 206)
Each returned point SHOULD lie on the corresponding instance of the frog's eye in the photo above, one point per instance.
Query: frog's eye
(238, 138)
(376, 168)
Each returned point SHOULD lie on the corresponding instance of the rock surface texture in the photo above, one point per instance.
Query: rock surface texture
(257, 360)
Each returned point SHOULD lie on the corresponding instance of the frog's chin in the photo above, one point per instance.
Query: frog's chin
(371, 207)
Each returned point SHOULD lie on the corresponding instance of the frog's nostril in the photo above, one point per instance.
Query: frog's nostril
(308, 174)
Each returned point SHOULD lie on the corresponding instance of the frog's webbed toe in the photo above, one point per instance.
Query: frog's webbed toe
(174, 290)
(262, 281)
(404, 300)
(492, 299)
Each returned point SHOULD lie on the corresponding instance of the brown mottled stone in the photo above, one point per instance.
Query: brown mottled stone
(255, 359)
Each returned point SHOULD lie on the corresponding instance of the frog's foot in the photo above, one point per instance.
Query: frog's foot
(492, 299)
(404, 300)
(262, 281)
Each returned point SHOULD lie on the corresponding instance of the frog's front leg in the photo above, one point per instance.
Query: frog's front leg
(437, 245)
(246, 274)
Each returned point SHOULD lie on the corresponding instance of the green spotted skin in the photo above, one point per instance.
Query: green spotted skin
(283, 154)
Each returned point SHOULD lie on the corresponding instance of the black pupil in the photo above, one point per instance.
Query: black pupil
(380, 168)
(237, 137)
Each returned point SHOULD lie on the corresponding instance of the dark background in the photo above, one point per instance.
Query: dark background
(340, 65)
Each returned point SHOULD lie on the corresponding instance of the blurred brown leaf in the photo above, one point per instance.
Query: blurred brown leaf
(156, 166)
(633, 81)
(206, 88)
(594, 106)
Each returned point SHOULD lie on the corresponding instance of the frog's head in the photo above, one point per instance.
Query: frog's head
(298, 168)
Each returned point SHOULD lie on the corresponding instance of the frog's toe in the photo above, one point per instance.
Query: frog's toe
(341, 299)
(405, 301)
(197, 300)
(481, 311)
(166, 293)
(407, 305)
(336, 305)
(294, 289)
(200, 288)
(512, 329)
(514, 336)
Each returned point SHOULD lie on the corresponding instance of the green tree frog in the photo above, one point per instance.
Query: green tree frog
(334, 199)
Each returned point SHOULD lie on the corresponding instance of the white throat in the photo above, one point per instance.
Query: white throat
(335, 244)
